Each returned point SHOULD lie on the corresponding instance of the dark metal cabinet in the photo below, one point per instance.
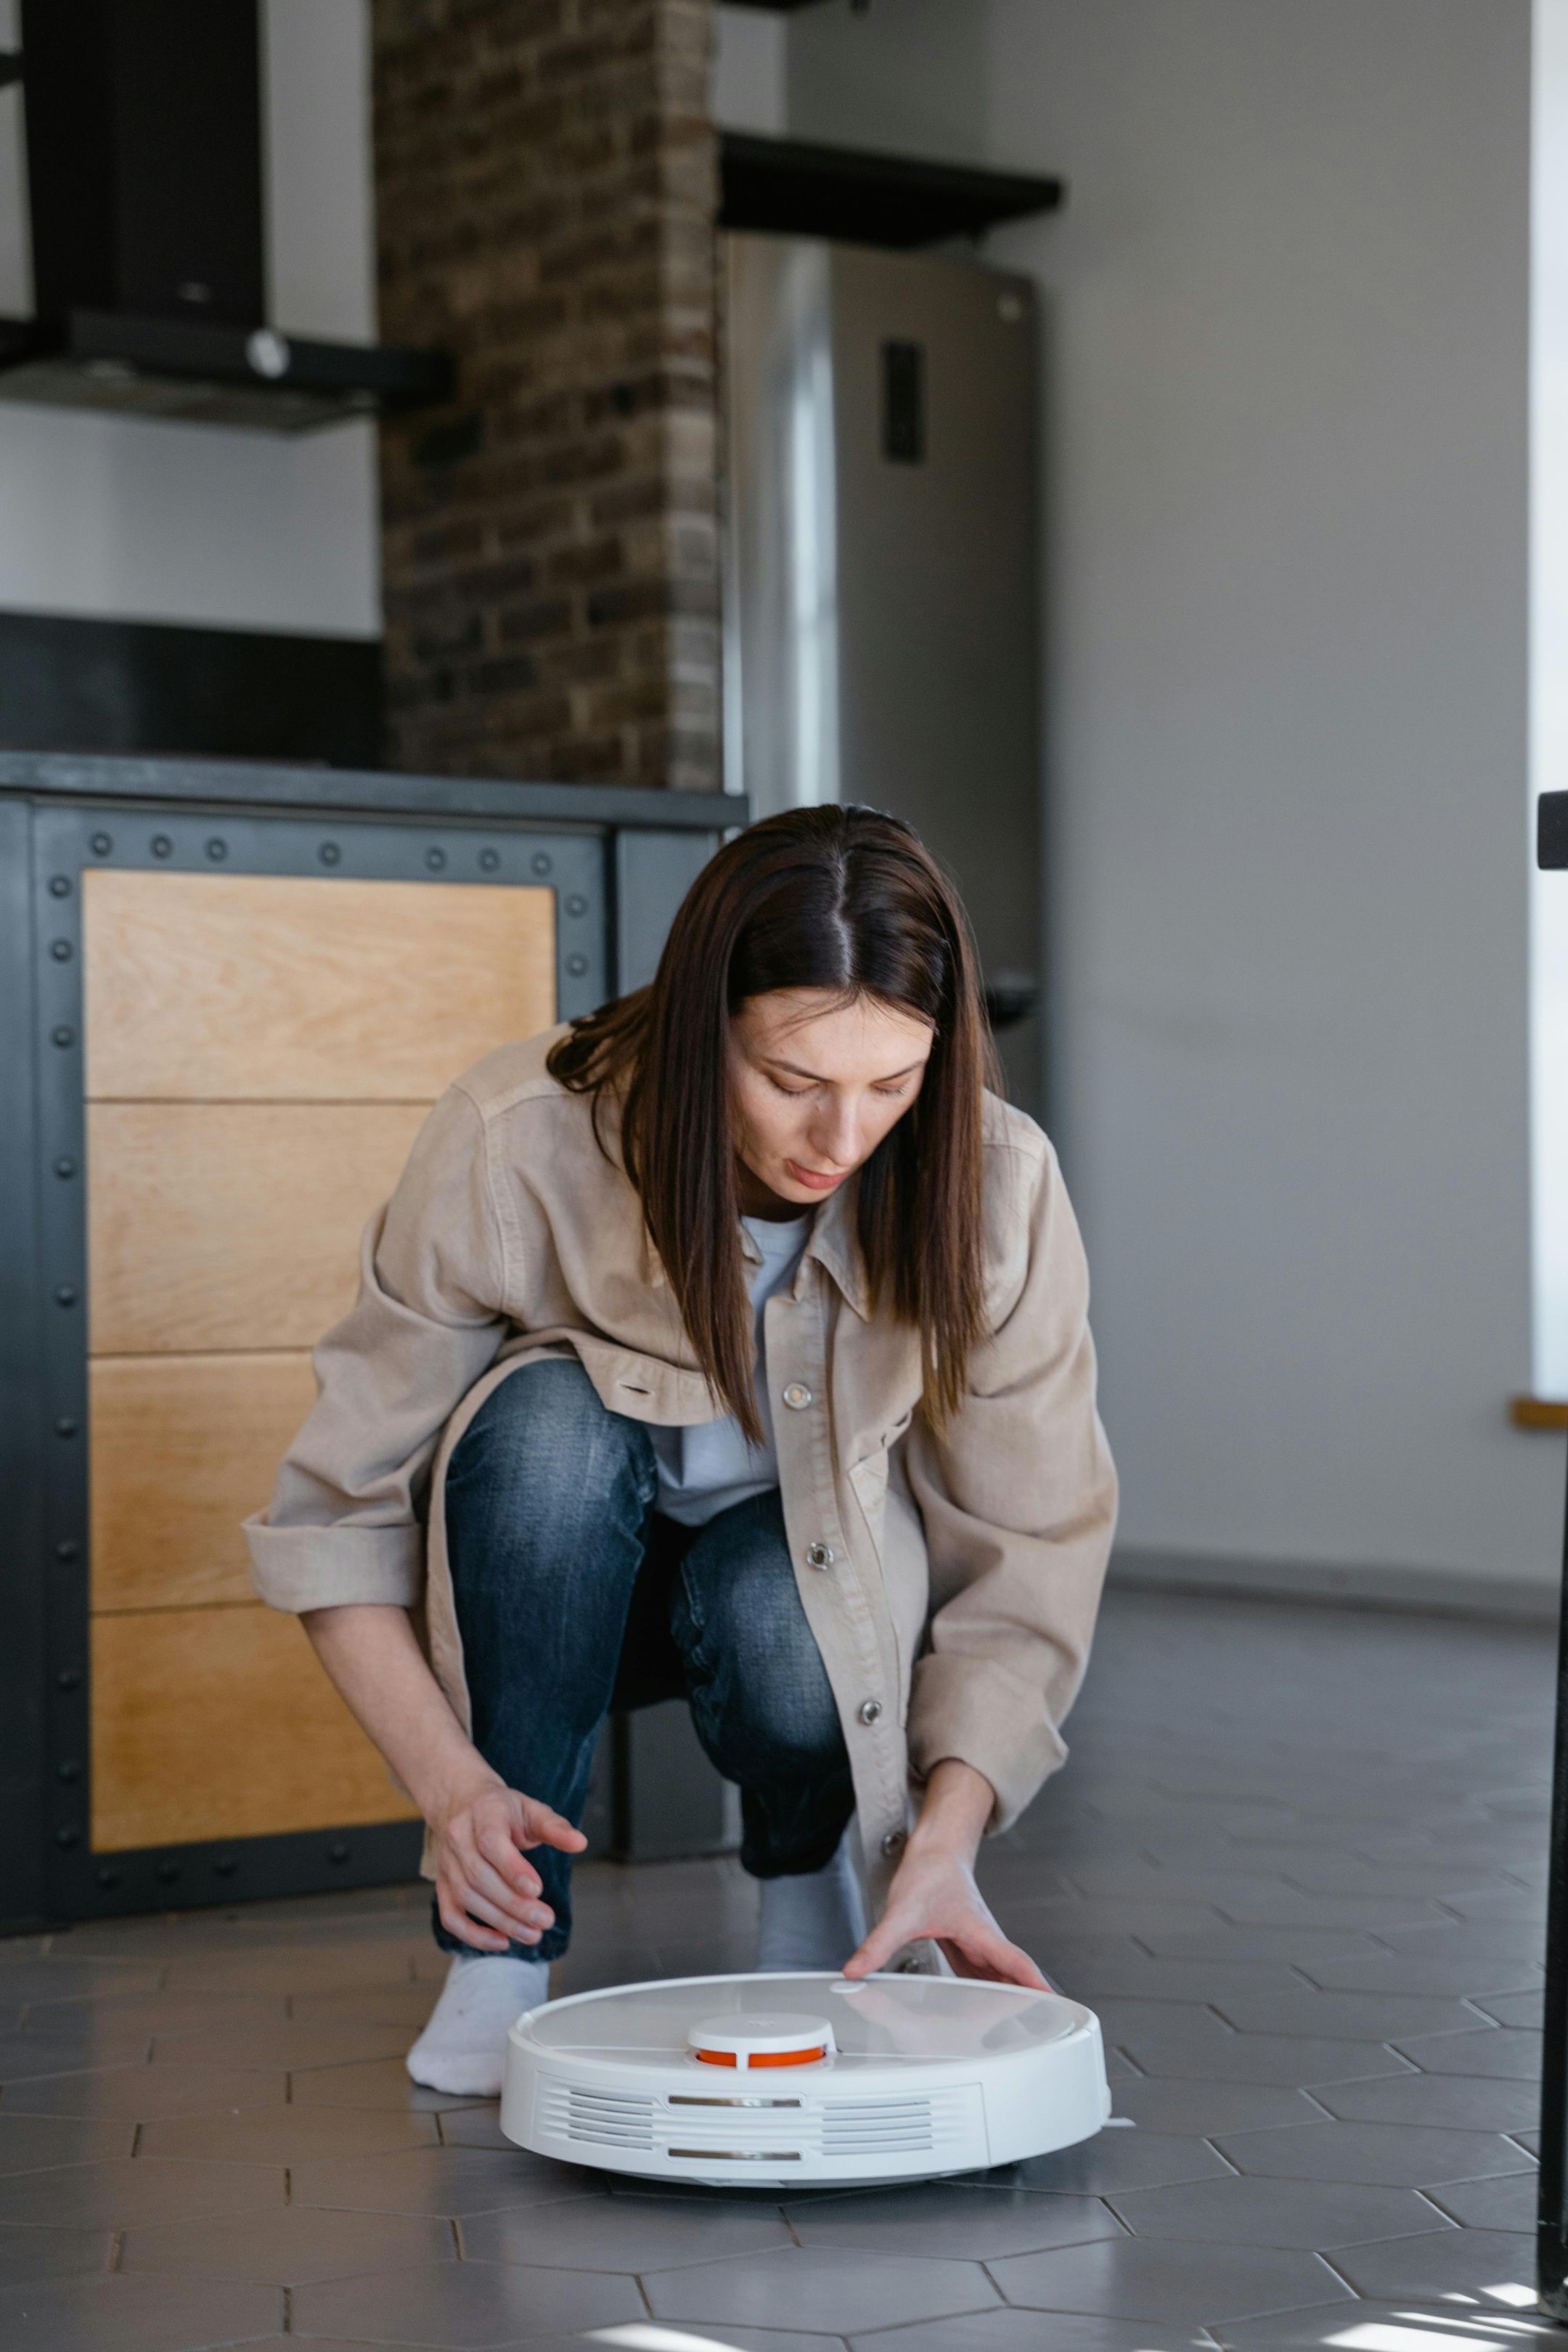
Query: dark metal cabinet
(600, 871)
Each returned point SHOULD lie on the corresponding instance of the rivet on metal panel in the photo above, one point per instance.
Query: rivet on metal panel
(68, 1678)
(102, 843)
(68, 1837)
(60, 886)
(577, 965)
(65, 1167)
(168, 1872)
(337, 1853)
(541, 863)
(65, 1296)
(62, 1036)
(69, 1770)
(66, 1427)
(67, 1549)
(435, 859)
(218, 849)
(225, 1867)
(489, 860)
(109, 1878)
(328, 852)
(576, 904)
(161, 845)
(60, 949)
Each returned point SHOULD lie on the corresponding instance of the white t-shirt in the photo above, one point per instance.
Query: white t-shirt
(704, 1470)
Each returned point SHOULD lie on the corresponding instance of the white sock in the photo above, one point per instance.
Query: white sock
(463, 2046)
(815, 1919)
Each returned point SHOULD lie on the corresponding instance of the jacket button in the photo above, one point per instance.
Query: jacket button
(819, 1555)
(871, 1710)
(797, 1396)
(893, 1843)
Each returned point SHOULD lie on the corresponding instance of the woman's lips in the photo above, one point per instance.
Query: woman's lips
(810, 1179)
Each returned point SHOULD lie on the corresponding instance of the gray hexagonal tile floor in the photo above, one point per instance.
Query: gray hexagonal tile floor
(1316, 2215)
(1022, 2331)
(290, 2248)
(968, 2223)
(1310, 1920)
(1403, 2327)
(464, 2305)
(836, 2289)
(134, 2314)
(625, 2233)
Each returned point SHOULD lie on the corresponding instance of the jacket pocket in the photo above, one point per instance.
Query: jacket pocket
(868, 1476)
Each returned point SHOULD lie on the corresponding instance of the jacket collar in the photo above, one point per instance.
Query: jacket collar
(835, 1243)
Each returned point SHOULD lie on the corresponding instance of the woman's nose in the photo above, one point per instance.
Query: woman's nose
(835, 1134)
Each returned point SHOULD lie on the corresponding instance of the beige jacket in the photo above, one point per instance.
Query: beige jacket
(951, 1583)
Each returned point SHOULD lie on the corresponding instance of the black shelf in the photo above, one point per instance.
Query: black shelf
(793, 188)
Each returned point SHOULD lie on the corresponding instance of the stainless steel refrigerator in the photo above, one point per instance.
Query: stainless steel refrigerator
(881, 635)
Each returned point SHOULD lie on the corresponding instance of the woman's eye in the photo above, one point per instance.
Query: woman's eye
(895, 1094)
(795, 1093)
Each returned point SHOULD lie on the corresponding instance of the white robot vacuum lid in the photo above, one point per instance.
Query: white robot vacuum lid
(759, 2081)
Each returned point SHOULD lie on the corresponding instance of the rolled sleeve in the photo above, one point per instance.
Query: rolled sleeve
(328, 1567)
(1018, 1498)
(343, 1523)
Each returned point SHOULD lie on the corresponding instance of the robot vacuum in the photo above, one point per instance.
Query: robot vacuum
(766, 2081)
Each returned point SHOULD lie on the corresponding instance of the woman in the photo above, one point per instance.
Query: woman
(733, 1341)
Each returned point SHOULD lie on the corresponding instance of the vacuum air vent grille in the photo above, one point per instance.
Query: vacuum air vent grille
(816, 2127)
(594, 2118)
(881, 2127)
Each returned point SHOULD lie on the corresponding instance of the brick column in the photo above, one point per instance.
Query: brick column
(546, 186)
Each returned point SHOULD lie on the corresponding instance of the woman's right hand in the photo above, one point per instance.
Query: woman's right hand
(485, 1893)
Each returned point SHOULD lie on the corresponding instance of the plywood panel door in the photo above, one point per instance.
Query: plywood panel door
(232, 1225)
(184, 1448)
(261, 1053)
(261, 987)
(218, 1723)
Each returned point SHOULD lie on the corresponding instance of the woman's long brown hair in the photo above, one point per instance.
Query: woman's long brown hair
(844, 899)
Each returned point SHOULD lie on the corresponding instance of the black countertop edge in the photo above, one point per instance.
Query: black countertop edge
(366, 792)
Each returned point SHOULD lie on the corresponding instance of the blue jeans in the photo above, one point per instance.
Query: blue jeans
(575, 1595)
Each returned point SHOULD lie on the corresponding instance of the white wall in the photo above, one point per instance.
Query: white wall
(118, 518)
(1285, 674)
(749, 65)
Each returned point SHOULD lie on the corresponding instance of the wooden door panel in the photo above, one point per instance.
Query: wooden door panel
(225, 987)
(184, 1448)
(218, 1723)
(261, 1053)
(232, 1226)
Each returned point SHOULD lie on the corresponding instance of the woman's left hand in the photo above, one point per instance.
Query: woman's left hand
(934, 1892)
(935, 1895)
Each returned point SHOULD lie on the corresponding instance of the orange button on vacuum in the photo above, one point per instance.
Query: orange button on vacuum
(753, 2039)
(763, 2057)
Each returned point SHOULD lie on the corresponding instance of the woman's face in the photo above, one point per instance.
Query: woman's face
(815, 1085)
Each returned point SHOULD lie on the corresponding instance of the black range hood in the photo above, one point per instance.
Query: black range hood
(143, 122)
